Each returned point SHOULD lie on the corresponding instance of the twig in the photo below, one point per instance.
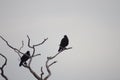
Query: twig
(1, 68)
(20, 49)
(52, 63)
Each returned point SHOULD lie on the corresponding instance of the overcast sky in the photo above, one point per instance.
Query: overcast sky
(92, 26)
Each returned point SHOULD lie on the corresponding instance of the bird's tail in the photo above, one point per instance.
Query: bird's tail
(60, 49)
(20, 63)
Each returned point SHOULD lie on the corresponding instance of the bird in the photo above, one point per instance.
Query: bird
(24, 58)
(64, 42)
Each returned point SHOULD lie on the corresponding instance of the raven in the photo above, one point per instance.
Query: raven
(24, 58)
(64, 42)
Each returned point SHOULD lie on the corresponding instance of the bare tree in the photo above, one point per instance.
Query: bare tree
(28, 66)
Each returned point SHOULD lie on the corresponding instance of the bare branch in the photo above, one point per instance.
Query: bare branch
(52, 63)
(29, 42)
(42, 73)
(31, 56)
(20, 49)
(22, 45)
(49, 65)
(15, 49)
(1, 68)
(48, 70)
(33, 47)
(60, 52)
(41, 42)
(35, 44)
(36, 55)
(34, 74)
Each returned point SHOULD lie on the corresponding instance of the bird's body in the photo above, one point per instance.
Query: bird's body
(24, 58)
(64, 42)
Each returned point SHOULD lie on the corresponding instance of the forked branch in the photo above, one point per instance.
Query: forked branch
(49, 65)
(33, 48)
(15, 49)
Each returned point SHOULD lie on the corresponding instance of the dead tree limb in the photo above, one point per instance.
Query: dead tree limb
(49, 65)
(2, 68)
(33, 47)
(15, 49)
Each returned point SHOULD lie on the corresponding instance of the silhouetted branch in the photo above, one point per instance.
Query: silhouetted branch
(35, 44)
(1, 68)
(42, 73)
(20, 49)
(33, 72)
(33, 55)
(49, 65)
(33, 47)
(22, 45)
(60, 52)
(36, 55)
(15, 49)
(52, 63)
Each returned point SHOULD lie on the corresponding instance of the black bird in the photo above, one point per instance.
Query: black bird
(24, 58)
(64, 43)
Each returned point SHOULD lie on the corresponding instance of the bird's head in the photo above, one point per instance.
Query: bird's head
(28, 53)
(65, 36)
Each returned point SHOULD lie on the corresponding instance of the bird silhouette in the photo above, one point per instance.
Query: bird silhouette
(64, 42)
(24, 58)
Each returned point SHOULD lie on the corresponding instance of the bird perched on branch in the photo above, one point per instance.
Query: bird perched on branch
(64, 42)
(24, 58)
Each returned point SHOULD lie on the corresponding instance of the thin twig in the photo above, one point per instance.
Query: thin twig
(20, 49)
(22, 45)
(41, 42)
(52, 63)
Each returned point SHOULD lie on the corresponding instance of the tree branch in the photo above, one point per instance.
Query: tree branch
(33, 73)
(15, 49)
(1, 68)
(33, 55)
(33, 47)
(49, 65)
(42, 73)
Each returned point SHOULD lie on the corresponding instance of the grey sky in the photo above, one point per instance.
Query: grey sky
(92, 26)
